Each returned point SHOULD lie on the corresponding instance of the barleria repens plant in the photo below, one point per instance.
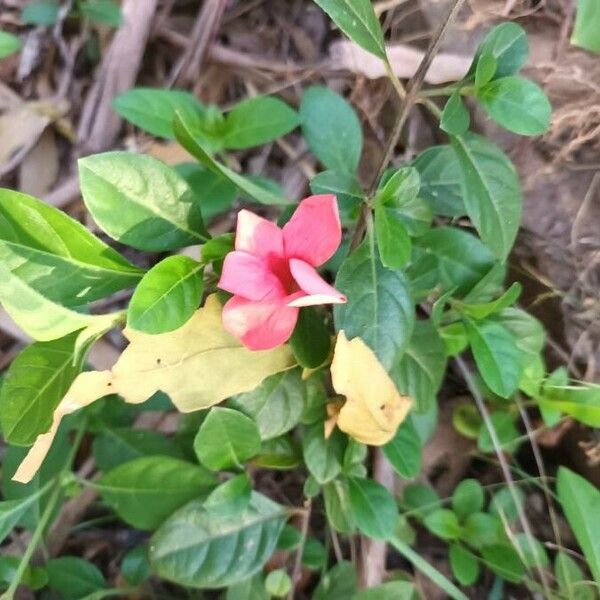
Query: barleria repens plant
(238, 333)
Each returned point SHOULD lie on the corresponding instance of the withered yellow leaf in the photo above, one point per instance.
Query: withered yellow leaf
(197, 366)
(374, 408)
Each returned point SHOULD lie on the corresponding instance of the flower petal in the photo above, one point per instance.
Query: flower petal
(317, 290)
(249, 276)
(314, 232)
(257, 235)
(259, 325)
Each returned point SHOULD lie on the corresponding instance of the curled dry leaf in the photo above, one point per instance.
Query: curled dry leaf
(197, 365)
(374, 408)
(404, 60)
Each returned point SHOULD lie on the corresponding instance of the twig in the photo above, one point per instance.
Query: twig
(300, 550)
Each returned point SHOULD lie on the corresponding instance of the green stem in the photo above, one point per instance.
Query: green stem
(427, 569)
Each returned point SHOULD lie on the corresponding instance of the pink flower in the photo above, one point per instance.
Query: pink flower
(271, 273)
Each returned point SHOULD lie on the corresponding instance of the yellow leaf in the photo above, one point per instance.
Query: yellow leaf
(197, 366)
(374, 408)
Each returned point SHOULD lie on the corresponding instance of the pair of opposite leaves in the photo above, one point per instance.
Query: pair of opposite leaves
(200, 364)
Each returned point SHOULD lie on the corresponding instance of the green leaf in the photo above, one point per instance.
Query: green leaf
(373, 508)
(346, 189)
(582, 402)
(275, 405)
(455, 116)
(443, 523)
(491, 191)
(185, 136)
(455, 338)
(507, 44)
(400, 188)
(40, 12)
(481, 529)
(310, 341)
(57, 256)
(323, 457)
(34, 578)
(257, 121)
(339, 583)
(218, 248)
(503, 560)
(404, 451)
(581, 501)
(226, 438)
(250, 589)
(497, 356)
(278, 583)
(331, 129)
(379, 308)
(420, 499)
(167, 296)
(392, 590)
(145, 491)
(504, 505)
(357, 19)
(152, 110)
(114, 446)
(35, 383)
(9, 44)
(485, 70)
(441, 180)
(571, 580)
(456, 258)
(195, 549)
(73, 577)
(11, 512)
(464, 565)
(231, 497)
(586, 33)
(393, 240)
(336, 495)
(107, 12)
(280, 453)
(532, 551)
(468, 498)
(506, 431)
(135, 566)
(140, 201)
(518, 104)
(421, 368)
(483, 310)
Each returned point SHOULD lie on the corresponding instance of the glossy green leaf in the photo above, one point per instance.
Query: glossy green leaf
(497, 356)
(586, 32)
(443, 523)
(145, 491)
(250, 589)
(580, 401)
(57, 256)
(231, 497)
(467, 498)
(114, 446)
(311, 341)
(404, 451)
(491, 191)
(393, 240)
(226, 438)
(379, 308)
(278, 583)
(336, 495)
(323, 457)
(73, 577)
(339, 583)
(9, 44)
(420, 370)
(399, 188)
(258, 121)
(217, 248)
(185, 136)
(357, 19)
(281, 453)
(135, 566)
(392, 590)
(206, 558)
(331, 129)
(373, 508)
(517, 104)
(106, 12)
(464, 565)
(152, 110)
(40, 12)
(455, 116)
(275, 405)
(485, 309)
(167, 296)
(441, 180)
(485, 70)
(507, 43)
(346, 188)
(503, 560)
(140, 201)
(35, 383)
(581, 501)
(456, 258)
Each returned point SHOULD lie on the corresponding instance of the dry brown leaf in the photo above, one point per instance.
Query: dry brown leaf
(197, 365)
(374, 408)
(405, 60)
(39, 169)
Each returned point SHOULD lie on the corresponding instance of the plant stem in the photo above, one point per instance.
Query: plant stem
(300, 550)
